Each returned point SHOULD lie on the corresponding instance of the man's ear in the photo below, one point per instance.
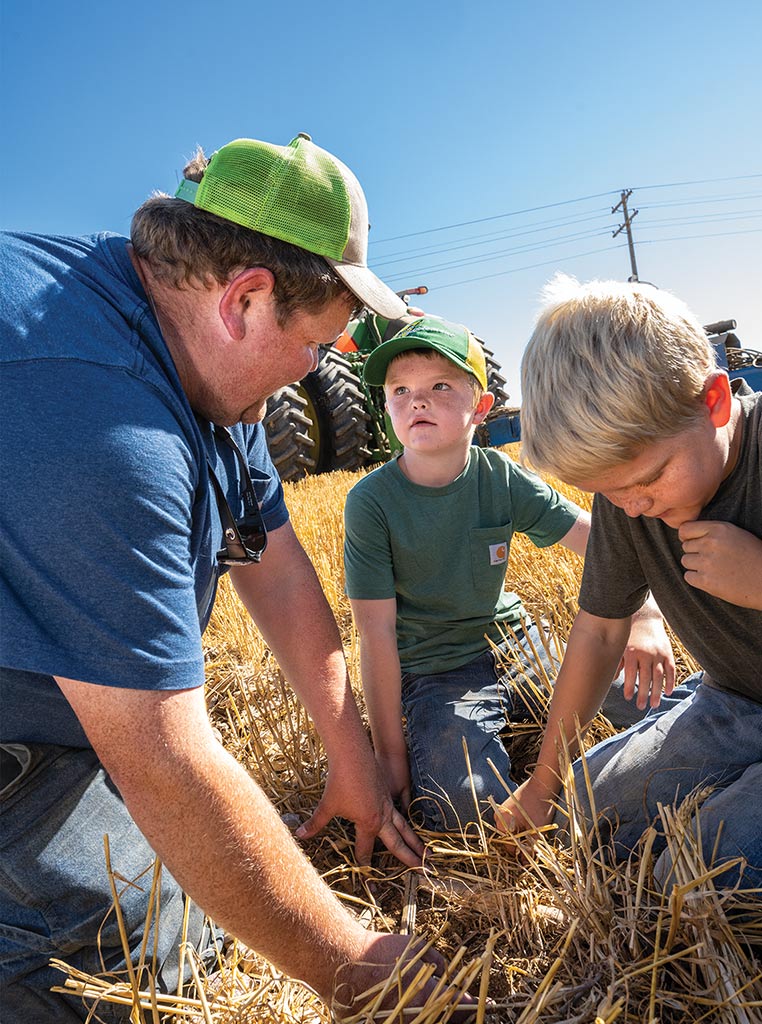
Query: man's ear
(483, 406)
(248, 287)
(718, 398)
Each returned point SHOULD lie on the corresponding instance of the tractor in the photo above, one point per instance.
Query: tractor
(333, 420)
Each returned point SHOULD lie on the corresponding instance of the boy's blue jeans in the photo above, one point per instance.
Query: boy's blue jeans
(712, 738)
(477, 702)
(54, 889)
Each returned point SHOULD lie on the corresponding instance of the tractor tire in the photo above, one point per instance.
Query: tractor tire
(340, 420)
(288, 428)
(495, 380)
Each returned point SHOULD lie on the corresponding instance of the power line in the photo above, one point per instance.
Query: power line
(477, 242)
(497, 216)
(426, 269)
(701, 201)
(716, 234)
(697, 181)
(709, 218)
(560, 240)
(469, 241)
(529, 266)
(579, 255)
(565, 202)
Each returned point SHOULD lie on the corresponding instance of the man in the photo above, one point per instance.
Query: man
(135, 471)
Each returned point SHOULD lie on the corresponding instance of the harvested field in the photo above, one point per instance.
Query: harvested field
(545, 934)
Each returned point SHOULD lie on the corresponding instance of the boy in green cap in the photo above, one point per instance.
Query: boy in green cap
(427, 543)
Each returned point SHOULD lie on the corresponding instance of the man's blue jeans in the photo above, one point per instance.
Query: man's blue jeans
(711, 739)
(54, 889)
(476, 703)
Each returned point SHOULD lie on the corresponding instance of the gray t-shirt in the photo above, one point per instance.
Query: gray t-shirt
(625, 557)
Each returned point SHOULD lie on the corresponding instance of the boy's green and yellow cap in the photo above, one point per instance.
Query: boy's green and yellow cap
(453, 341)
(300, 194)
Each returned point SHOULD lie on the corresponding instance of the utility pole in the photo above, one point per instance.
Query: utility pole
(627, 226)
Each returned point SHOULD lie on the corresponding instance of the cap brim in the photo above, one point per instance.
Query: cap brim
(370, 290)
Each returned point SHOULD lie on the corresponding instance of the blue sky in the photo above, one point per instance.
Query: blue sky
(457, 117)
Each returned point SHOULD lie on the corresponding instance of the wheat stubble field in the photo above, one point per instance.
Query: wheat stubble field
(545, 934)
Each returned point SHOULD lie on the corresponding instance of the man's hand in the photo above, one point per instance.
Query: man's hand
(364, 798)
(384, 963)
(648, 661)
(723, 560)
(317, 671)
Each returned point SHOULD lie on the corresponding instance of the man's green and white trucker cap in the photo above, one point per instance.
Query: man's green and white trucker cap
(300, 194)
(453, 341)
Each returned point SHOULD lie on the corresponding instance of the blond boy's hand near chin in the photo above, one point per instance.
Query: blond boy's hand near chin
(723, 560)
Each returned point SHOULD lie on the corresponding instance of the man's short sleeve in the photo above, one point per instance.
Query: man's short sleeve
(97, 543)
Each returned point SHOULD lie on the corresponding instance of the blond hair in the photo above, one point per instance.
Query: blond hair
(610, 368)
(185, 246)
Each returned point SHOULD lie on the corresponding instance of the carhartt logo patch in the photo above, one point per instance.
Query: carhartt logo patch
(498, 553)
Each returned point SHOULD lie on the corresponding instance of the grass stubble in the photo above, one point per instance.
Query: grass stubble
(539, 932)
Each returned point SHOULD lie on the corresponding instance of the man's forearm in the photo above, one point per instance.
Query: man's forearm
(215, 830)
(295, 619)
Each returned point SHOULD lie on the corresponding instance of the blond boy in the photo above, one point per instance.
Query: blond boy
(643, 416)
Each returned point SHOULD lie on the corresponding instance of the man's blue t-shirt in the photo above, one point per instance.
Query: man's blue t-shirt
(109, 526)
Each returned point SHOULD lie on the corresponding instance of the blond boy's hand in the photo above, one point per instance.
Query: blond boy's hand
(648, 661)
(526, 809)
(723, 560)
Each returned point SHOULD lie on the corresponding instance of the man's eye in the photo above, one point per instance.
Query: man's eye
(441, 386)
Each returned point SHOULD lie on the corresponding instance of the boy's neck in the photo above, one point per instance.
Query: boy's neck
(433, 469)
(735, 437)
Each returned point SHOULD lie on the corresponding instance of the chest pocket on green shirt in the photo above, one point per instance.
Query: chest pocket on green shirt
(489, 557)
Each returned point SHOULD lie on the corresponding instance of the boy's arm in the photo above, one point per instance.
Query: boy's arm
(376, 622)
(648, 661)
(593, 652)
(723, 560)
(575, 539)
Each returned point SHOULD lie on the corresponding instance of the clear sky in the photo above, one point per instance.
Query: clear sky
(492, 138)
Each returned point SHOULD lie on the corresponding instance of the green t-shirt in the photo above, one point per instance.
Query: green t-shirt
(442, 552)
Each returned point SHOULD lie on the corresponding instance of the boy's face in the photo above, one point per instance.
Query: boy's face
(431, 402)
(672, 480)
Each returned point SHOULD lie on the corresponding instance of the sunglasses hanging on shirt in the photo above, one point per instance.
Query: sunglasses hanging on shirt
(245, 539)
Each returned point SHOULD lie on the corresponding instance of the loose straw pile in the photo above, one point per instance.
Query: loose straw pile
(535, 931)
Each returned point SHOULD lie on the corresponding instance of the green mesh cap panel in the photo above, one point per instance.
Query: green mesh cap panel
(297, 193)
(300, 194)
